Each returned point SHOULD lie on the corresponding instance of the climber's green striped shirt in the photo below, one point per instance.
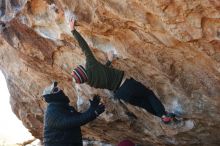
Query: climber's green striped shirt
(99, 75)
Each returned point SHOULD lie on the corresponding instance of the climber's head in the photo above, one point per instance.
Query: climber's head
(126, 143)
(79, 74)
(53, 93)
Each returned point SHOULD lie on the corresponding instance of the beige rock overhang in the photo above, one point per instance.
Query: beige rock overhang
(171, 46)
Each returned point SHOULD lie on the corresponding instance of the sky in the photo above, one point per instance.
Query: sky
(11, 129)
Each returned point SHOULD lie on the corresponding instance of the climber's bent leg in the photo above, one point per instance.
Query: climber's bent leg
(137, 94)
(143, 103)
(147, 99)
(155, 103)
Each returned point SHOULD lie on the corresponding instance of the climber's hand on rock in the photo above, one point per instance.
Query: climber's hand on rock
(111, 55)
(72, 24)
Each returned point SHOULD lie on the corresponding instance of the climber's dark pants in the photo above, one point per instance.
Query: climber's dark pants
(137, 94)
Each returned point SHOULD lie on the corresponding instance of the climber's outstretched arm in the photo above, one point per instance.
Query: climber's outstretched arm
(82, 43)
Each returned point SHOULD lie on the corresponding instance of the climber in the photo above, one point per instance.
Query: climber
(62, 122)
(102, 76)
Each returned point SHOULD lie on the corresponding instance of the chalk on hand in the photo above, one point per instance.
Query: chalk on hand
(69, 15)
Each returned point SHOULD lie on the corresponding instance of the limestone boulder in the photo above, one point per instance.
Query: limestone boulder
(171, 46)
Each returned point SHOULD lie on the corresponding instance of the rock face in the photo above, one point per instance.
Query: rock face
(171, 46)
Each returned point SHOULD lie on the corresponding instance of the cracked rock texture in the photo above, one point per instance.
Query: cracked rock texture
(171, 46)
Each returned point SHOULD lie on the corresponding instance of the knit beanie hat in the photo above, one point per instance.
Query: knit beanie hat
(126, 143)
(53, 93)
(58, 97)
(79, 74)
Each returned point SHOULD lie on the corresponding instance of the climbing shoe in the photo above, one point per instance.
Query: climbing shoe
(168, 118)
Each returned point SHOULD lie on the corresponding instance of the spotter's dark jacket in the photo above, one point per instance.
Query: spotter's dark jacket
(62, 122)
